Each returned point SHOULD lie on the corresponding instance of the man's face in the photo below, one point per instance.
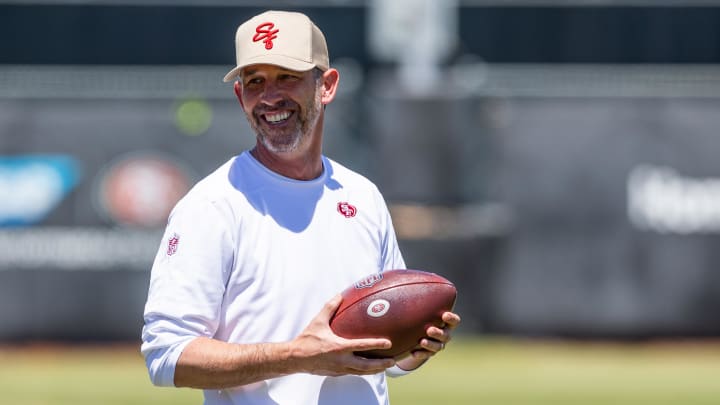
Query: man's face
(281, 105)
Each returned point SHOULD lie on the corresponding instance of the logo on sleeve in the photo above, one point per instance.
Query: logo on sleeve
(346, 209)
(173, 243)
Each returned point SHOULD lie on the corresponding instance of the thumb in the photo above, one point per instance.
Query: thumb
(330, 308)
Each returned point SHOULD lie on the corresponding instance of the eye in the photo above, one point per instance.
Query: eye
(253, 81)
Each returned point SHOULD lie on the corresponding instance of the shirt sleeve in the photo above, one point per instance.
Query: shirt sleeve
(391, 256)
(187, 284)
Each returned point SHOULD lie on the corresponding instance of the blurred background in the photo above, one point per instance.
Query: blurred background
(556, 159)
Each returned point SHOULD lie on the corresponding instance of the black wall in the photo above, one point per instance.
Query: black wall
(203, 35)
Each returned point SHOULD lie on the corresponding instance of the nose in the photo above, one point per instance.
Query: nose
(271, 94)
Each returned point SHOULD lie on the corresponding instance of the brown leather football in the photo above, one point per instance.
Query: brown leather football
(396, 304)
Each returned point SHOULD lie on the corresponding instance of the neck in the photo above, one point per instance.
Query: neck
(294, 166)
(304, 163)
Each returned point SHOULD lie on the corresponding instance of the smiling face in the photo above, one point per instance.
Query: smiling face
(282, 106)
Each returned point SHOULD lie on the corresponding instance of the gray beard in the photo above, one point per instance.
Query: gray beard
(291, 141)
(286, 143)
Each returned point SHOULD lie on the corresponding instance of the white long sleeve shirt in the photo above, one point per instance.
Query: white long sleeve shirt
(250, 256)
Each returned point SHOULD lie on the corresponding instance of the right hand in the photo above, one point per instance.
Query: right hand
(322, 352)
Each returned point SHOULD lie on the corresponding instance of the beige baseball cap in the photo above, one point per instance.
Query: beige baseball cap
(282, 38)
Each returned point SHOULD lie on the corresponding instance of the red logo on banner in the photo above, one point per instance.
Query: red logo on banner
(141, 190)
(173, 244)
(346, 209)
(265, 32)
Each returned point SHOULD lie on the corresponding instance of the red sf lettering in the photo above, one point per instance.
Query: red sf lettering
(265, 32)
(346, 209)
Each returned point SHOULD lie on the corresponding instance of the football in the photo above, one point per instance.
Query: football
(396, 304)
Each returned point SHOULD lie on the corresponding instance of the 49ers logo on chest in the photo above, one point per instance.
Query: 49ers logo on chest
(346, 209)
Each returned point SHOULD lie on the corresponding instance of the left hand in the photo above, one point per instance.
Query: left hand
(436, 340)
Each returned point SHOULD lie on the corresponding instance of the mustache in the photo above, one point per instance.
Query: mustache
(283, 104)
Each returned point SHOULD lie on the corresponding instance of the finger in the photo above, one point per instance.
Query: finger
(438, 334)
(421, 354)
(432, 345)
(359, 345)
(451, 319)
(362, 365)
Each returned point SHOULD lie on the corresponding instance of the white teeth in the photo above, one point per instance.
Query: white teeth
(277, 117)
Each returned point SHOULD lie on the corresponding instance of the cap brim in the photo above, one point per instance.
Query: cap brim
(277, 60)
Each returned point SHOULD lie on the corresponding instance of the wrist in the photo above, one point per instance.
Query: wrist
(396, 371)
(295, 357)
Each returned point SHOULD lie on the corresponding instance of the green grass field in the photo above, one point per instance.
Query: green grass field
(470, 371)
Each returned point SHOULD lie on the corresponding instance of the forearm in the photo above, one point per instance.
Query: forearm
(212, 364)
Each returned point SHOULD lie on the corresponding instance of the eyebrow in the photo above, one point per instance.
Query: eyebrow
(249, 72)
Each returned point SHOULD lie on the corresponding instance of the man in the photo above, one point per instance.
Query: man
(253, 258)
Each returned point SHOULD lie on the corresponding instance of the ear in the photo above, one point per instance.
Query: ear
(331, 78)
(238, 92)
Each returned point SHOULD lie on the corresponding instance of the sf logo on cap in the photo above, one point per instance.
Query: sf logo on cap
(265, 32)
